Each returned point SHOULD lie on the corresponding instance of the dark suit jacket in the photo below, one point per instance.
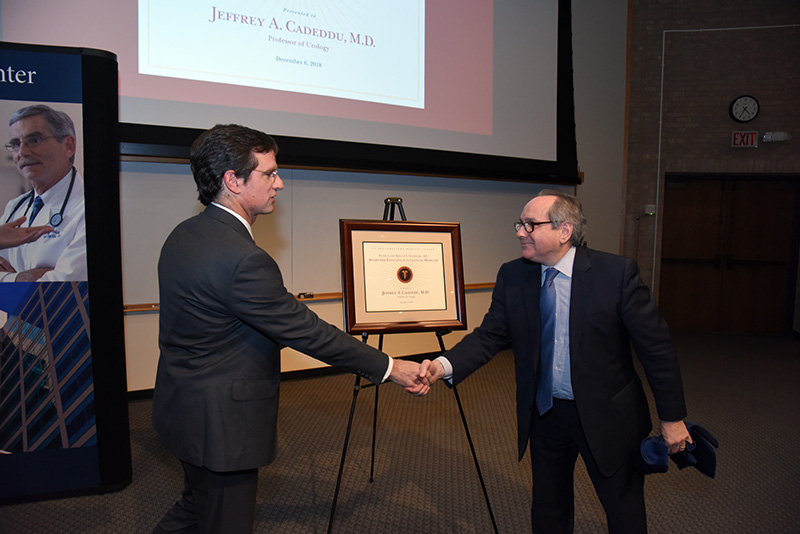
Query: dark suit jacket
(225, 315)
(610, 307)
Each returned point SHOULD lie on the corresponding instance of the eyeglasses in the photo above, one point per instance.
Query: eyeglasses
(31, 141)
(273, 174)
(530, 226)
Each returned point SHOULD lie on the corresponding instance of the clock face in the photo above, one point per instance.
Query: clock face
(744, 109)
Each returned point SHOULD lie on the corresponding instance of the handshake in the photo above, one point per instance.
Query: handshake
(416, 378)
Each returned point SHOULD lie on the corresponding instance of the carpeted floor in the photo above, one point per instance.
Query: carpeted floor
(742, 388)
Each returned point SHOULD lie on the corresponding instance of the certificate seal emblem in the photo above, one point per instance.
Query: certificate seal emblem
(405, 274)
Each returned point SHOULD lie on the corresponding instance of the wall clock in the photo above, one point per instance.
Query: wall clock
(743, 108)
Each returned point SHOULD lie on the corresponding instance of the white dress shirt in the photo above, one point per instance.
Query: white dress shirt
(562, 376)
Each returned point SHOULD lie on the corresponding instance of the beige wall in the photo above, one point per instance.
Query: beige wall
(599, 63)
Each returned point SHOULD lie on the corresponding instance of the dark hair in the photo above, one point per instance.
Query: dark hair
(226, 147)
(60, 123)
(566, 208)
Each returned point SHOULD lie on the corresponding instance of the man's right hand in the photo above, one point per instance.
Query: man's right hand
(407, 374)
(431, 371)
(13, 234)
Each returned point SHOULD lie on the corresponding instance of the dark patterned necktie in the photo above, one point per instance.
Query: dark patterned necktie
(37, 206)
(547, 312)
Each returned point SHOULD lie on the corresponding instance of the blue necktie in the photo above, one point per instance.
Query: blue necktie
(547, 312)
(37, 205)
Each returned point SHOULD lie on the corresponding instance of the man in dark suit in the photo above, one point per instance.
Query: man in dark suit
(225, 314)
(588, 399)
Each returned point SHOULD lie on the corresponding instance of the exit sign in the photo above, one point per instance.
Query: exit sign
(744, 140)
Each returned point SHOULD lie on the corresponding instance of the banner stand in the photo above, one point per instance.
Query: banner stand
(64, 427)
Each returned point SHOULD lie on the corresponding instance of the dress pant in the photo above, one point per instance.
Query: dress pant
(556, 440)
(213, 503)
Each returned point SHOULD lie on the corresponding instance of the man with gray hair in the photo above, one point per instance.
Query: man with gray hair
(570, 314)
(43, 148)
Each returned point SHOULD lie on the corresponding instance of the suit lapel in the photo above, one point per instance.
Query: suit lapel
(531, 287)
(579, 298)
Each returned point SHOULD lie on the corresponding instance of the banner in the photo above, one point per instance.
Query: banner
(48, 377)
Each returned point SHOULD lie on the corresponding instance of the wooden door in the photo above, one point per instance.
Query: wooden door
(727, 249)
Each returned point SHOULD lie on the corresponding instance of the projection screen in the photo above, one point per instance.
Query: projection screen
(475, 88)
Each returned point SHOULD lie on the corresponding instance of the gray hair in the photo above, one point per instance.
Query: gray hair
(60, 123)
(567, 208)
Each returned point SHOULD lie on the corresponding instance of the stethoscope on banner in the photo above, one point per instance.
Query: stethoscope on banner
(57, 218)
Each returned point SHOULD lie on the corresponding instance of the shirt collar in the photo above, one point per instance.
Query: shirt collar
(244, 222)
(565, 264)
(59, 189)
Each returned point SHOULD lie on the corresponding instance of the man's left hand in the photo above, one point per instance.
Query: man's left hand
(6, 267)
(32, 275)
(676, 436)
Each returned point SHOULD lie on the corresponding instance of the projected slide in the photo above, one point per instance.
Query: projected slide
(368, 51)
(480, 78)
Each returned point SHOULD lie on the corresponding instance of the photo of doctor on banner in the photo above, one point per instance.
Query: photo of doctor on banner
(43, 226)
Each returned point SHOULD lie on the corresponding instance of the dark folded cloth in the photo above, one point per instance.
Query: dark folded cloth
(699, 454)
(653, 457)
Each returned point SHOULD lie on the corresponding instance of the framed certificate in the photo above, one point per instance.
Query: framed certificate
(402, 276)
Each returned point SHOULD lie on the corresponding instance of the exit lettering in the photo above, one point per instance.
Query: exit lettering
(744, 140)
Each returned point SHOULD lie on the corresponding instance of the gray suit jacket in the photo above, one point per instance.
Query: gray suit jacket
(225, 314)
(610, 309)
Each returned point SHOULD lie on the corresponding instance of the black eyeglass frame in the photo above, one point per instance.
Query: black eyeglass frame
(530, 226)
